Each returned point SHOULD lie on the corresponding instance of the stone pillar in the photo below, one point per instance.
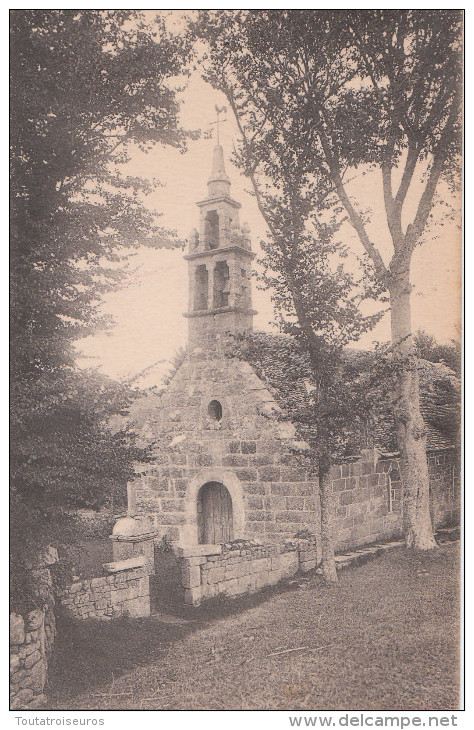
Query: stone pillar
(210, 285)
(232, 264)
(131, 547)
(191, 558)
(191, 284)
(202, 229)
(224, 233)
(130, 540)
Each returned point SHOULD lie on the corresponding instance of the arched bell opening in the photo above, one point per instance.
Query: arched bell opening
(211, 229)
(214, 514)
(200, 288)
(221, 284)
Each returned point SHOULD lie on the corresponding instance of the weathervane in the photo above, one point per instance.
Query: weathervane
(219, 110)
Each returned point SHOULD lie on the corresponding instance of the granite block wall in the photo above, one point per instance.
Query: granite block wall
(369, 497)
(208, 571)
(362, 506)
(124, 593)
(31, 644)
(444, 469)
(255, 453)
(250, 443)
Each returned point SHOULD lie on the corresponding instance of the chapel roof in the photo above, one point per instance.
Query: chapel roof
(439, 391)
(291, 387)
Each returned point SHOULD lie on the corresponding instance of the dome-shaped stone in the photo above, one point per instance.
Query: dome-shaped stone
(125, 526)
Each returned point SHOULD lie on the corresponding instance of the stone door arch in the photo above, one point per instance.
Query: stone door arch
(214, 514)
(226, 477)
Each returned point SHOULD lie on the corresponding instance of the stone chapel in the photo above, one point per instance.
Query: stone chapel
(227, 464)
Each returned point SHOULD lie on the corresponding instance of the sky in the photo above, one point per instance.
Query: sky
(149, 326)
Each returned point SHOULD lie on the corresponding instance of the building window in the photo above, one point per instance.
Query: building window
(215, 410)
(221, 285)
(211, 229)
(394, 491)
(200, 288)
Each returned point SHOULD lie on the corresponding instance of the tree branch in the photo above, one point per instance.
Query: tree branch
(410, 164)
(354, 217)
(416, 228)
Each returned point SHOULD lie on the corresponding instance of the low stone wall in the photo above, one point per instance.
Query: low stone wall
(124, 592)
(210, 570)
(31, 643)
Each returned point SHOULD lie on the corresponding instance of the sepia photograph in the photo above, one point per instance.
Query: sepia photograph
(236, 477)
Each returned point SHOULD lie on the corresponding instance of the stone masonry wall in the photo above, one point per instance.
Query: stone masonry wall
(31, 643)
(361, 502)
(250, 442)
(365, 512)
(124, 593)
(254, 446)
(32, 638)
(208, 571)
(445, 487)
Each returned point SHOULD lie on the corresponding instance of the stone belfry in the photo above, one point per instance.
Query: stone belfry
(219, 266)
(225, 466)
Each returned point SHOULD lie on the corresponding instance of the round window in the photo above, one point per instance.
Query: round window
(215, 410)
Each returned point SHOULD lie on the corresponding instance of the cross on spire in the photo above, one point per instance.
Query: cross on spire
(219, 110)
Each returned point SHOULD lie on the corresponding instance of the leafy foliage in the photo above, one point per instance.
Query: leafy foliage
(429, 349)
(87, 87)
(344, 417)
(339, 90)
(321, 96)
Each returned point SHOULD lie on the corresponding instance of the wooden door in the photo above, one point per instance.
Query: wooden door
(214, 509)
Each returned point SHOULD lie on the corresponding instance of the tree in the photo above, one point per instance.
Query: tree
(315, 299)
(65, 455)
(428, 348)
(86, 87)
(375, 90)
(317, 306)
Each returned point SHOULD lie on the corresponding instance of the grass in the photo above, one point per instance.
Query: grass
(385, 638)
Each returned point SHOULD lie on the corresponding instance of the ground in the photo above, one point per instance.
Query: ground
(385, 638)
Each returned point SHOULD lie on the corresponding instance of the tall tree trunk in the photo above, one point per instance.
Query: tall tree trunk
(328, 564)
(411, 429)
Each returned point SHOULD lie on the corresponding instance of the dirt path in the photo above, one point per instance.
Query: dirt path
(386, 638)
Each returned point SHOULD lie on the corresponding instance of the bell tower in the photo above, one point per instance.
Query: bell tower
(219, 266)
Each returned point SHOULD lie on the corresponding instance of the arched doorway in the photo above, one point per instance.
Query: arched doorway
(214, 514)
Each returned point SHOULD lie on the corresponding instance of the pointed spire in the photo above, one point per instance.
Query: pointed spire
(218, 183)
(218, 160)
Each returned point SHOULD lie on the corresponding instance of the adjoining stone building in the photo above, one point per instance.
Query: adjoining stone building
(227, 465)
